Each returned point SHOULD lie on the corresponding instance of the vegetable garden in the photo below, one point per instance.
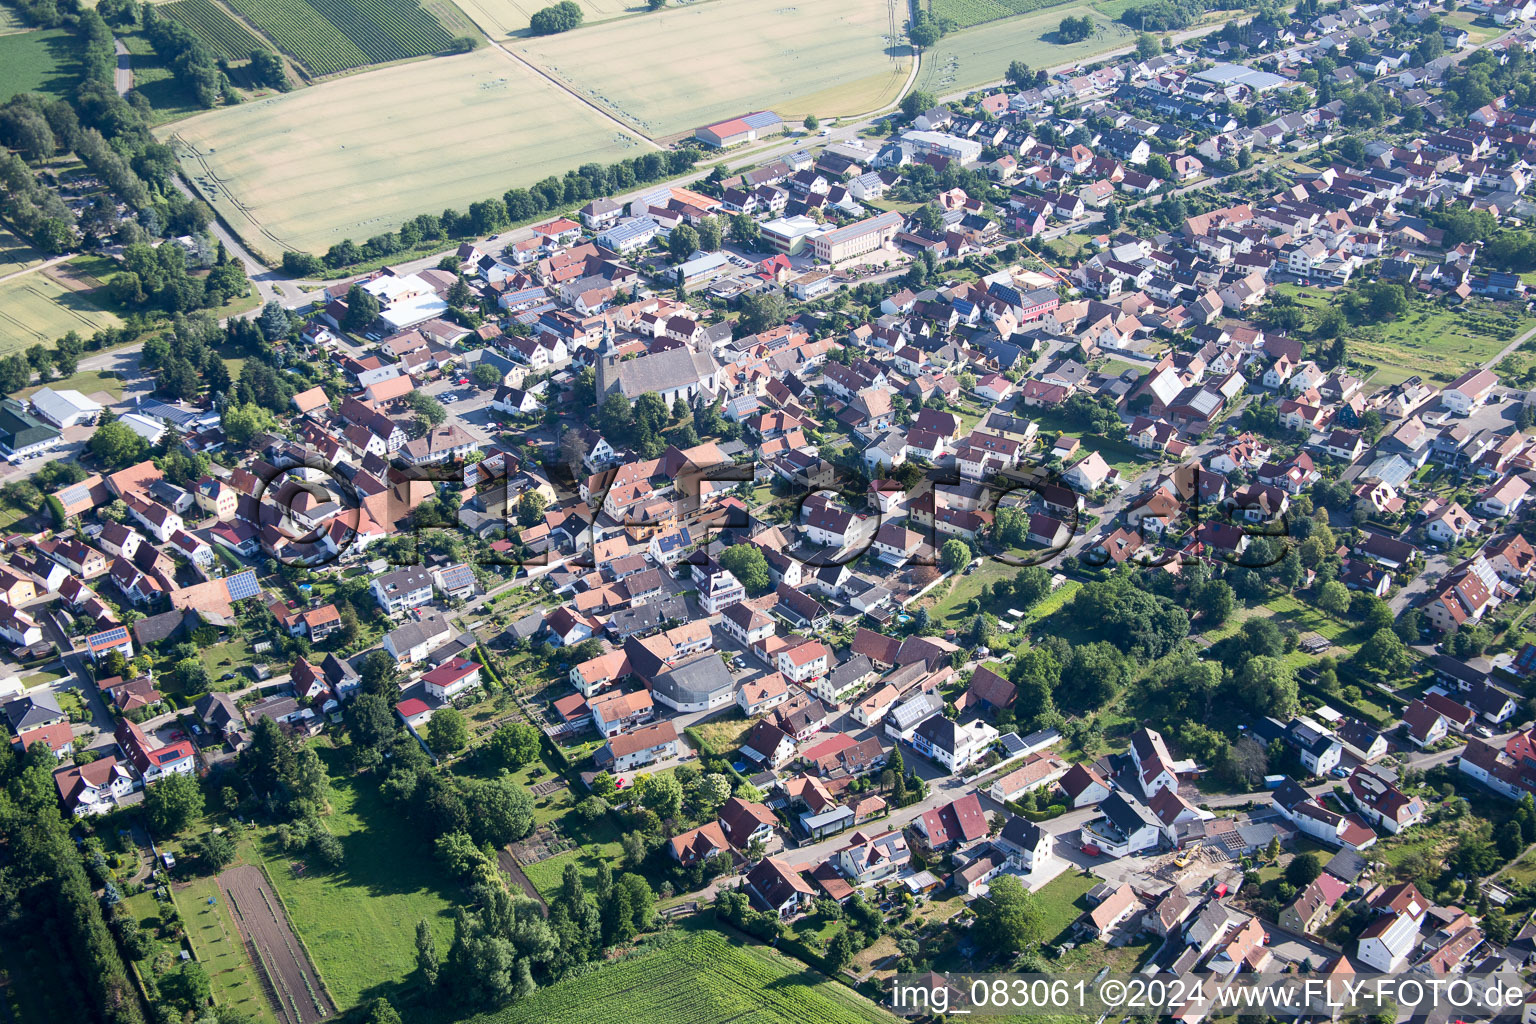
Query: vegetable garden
(328, 36)
(698, 980)
(222, 34)
(973, 12)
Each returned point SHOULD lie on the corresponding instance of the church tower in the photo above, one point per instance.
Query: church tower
(607, 364)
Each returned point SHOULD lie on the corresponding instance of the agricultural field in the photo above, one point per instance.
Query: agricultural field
(36, 309)
(328, 36)
(831, 59)
(502, 18)
(222, 34)
(16, 253)
(978, 56)
(966, 13)
(705, 977)
(359, 922)
(216, 943)
(287, 173)
(41, 61)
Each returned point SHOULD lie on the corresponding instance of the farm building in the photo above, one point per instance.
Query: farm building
(747, 128)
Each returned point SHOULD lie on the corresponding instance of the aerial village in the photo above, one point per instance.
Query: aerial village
(1112, 487)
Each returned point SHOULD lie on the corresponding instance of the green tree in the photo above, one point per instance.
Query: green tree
(512, 745)
(530, 508)
(811, 122)
(1333, 598)
(683, 242)
(215, 851)
(173, 802)
(747, 563)
(954, 555)
(426, 953)
(1008, 919)
(447, 731)
(486, 375)
(362, 309)
(1384, 655)
(1020, 75)
(427, 409)
(117, 445)
(379, 1012)
(1303, 868)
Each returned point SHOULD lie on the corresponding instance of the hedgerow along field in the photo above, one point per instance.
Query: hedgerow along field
(981, 55)
(328, 36)
(689, 66)
(222, 34)
(701, 979)
(974, 12)
(288, 173)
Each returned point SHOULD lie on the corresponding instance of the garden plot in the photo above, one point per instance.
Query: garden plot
(279, 955)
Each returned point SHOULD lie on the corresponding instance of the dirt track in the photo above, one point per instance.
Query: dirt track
(290, 979)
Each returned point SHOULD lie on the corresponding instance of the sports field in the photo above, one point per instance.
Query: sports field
(37, 309)
(670, 72)
(500, 18)
(292, 172)
(705, 977)
(41, 61)
(977, 56)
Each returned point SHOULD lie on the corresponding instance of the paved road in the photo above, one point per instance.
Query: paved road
(123, 77)
(41, 266)
(270, 284)
(74, 664)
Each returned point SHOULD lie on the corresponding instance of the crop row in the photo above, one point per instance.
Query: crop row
(386, 29)
(222, 34)
(328, 36)
(696, 981)
(974, 12)
(303, 33)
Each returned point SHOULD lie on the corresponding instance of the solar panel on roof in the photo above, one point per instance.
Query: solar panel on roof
(457, 576)
(117, 634)
(242, 585)
(77, 493)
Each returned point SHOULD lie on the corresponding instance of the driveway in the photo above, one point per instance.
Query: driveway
(74, 679)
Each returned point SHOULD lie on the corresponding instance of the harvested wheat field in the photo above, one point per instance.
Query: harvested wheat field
(670, 72)
(359, 156)
(501, 18)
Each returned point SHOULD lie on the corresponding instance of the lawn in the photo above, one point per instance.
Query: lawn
(39, 678)
(599, 844)
(981, 55)
(216, 943)
(36, 309)
(87, 382)
(287, 174)
(1062, 900)
(704, 977)
(831, 59)
(43, 61)
(359, 922)
(156, 81)
(727, 732)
